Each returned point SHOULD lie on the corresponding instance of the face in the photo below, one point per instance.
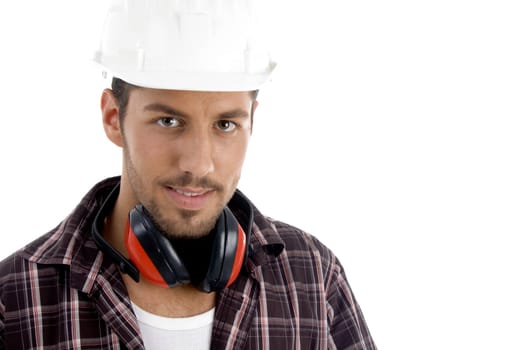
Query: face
(183, 154)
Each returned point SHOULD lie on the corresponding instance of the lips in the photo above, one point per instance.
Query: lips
(189, 198)
(190, 194)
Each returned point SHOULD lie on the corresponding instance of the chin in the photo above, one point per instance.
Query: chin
(189, 225)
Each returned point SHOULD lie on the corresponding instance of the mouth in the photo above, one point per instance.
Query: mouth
(190, 193)
(190, 198)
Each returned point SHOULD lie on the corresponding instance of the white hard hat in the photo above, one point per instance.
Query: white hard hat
(204, 45)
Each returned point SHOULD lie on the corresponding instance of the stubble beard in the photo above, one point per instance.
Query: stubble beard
(183, 224)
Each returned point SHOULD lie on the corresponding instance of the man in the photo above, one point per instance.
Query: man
(170, 255)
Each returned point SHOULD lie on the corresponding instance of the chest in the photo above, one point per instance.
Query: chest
(251, 315)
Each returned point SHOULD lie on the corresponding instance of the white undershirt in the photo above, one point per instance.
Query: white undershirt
(160, 332)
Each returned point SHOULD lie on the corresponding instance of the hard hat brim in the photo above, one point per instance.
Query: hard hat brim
(193, 81)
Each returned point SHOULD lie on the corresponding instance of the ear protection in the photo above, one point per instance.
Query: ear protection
(153, 256)
(158, 261)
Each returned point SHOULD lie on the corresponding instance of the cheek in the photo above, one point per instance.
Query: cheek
(146, 151)
(228, 153)
(233, 157)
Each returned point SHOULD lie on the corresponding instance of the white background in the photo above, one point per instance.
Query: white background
(394, 131)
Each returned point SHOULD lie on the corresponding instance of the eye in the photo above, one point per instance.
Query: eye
(226, 125)
(168, 122)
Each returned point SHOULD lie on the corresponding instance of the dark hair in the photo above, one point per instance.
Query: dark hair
(122, 89)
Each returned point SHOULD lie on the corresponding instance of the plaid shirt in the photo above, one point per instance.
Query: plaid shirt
(61, 292)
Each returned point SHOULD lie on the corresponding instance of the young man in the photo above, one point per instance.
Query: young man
(170, 255)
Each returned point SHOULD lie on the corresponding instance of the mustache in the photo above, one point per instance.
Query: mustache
(194, 181)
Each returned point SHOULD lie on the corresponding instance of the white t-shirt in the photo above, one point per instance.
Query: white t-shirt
(167, 333)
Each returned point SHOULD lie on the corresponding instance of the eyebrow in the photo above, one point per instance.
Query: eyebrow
(236, 113)
(159, 107)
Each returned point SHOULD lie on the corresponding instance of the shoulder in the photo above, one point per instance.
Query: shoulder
(303, 253)
(298, 241)
(9, 267)
(20, 270)
(318, 280)
(19, 261)
(67, 247)
(23, 281)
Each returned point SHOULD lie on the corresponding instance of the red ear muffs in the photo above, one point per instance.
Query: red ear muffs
(151, 252)
(155, 257)
(228, 253)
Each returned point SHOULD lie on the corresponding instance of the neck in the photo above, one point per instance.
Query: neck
(181, 301)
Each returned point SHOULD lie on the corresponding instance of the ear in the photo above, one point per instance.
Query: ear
(110, 117)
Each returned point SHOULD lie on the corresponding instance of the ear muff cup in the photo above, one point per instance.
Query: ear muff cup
(152, 252)
(158, 261)
(228, 253)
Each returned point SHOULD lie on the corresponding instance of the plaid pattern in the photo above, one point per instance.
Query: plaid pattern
(61, 292)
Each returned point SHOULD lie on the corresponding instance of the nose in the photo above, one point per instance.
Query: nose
(196, 154)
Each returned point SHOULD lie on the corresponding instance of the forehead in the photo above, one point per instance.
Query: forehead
(191, 101)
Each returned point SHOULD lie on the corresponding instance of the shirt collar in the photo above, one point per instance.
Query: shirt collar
(71, 243)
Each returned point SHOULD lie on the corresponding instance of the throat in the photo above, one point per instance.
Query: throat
(196, 254)
(184, 300)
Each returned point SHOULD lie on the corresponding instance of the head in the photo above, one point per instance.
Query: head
(183, 142)
(183, 151)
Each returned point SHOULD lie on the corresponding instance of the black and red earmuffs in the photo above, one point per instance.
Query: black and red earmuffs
(154, 257)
